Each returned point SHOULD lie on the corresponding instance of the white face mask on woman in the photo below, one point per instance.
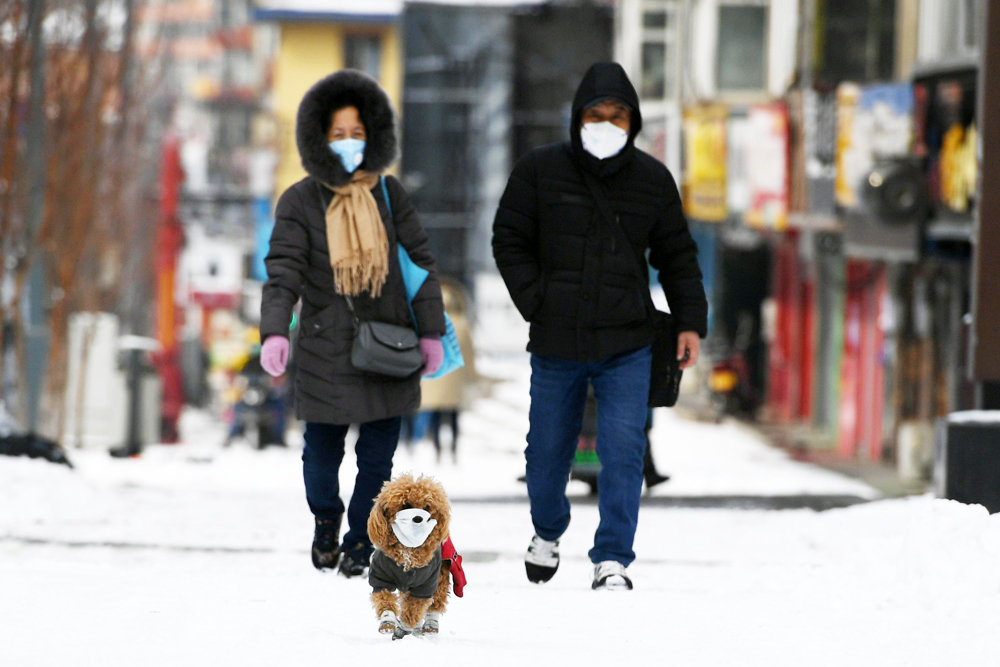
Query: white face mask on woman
(602, 140)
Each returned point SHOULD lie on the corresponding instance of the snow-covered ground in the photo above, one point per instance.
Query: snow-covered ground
(198, 555)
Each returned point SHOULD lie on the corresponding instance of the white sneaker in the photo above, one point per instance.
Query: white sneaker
(542, 559)
(609, 575)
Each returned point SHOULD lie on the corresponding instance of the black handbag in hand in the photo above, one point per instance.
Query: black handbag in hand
(383, 348)
(665, 369)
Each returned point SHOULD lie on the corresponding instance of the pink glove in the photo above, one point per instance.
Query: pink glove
(274, 355)
(433, 353)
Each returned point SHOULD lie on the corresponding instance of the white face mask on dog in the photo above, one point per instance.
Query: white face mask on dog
(413, 526)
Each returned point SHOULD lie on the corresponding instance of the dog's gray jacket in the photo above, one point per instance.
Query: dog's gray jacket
(385, 574)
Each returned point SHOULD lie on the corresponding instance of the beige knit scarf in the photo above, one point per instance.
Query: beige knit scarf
(355, 236)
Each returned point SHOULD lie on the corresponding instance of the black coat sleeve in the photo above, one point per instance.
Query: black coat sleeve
(428, 307)
(515, 239)
(674, 254)
(286, 264)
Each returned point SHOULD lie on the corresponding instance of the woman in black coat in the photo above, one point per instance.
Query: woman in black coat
(335, 236)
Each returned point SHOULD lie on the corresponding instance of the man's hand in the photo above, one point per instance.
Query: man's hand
(688, 341)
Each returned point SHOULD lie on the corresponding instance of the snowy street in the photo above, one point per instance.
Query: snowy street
(198, 555)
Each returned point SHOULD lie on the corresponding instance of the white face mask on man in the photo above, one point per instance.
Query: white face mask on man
(602, 140)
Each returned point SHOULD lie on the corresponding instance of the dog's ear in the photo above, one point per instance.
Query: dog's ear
(441, 510)
(378, 524)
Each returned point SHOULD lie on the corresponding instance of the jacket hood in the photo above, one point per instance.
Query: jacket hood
(343, 88)
(603, 81)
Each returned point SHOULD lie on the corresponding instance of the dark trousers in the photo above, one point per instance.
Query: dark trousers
(321, 458)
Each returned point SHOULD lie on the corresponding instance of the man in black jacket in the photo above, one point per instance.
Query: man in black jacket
(570, 240)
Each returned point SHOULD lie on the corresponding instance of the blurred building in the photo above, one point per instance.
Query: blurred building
(212, 67)
(829, 171)
(825, 152)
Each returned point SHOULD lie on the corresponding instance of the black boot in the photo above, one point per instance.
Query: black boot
(355, 561)
(326, 544)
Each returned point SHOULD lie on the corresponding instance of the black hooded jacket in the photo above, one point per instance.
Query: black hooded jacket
(569, 271)
(328, 388)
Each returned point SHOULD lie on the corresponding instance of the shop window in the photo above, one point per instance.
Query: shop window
(742, 56)
(659, 51)
(655, 19)
(363, 52)
(654, 71)
(856, 41)
(973, 16)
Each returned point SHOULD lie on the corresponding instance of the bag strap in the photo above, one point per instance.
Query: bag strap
(385, 194)
(388, 205)
(604, 208)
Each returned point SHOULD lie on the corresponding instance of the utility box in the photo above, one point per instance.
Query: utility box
(95, 400)
(967, 458)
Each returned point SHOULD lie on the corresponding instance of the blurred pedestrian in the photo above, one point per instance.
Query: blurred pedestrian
(570, 237)
(335, 238)
(259, 403)
(586, 465)
(446, 397)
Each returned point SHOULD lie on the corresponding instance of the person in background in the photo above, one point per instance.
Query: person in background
(334, 237)
(580, 279)
(263, 396)
(446, 397)
(583, 465)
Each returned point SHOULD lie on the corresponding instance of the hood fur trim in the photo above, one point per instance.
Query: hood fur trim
(346, 87)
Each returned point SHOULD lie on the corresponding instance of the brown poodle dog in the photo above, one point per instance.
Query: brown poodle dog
(408, 527)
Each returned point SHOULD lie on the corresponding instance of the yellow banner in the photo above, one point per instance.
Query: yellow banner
(704, 183)
(845, 159)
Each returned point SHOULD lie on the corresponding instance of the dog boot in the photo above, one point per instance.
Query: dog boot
(432, 623)
(401, 630)
(387, 622)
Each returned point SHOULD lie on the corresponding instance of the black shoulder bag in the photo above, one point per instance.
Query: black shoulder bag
(665, 370)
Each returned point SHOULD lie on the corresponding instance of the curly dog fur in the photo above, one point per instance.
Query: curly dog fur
(400, 493)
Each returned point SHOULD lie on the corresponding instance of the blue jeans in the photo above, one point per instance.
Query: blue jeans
(321, 458)
(558, 393)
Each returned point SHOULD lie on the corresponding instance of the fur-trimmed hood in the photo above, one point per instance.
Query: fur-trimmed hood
(346, 87)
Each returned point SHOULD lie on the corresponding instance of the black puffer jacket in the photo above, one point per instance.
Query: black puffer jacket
(569, 272)
(328, 389)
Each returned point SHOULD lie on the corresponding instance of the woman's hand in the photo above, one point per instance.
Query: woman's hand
(274, 355)
(433, 353)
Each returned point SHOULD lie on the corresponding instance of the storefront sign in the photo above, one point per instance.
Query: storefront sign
(704, 182)
(873, 123)
(766, 152)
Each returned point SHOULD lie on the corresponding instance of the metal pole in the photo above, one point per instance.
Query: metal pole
(36, 332)
(985, 345)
